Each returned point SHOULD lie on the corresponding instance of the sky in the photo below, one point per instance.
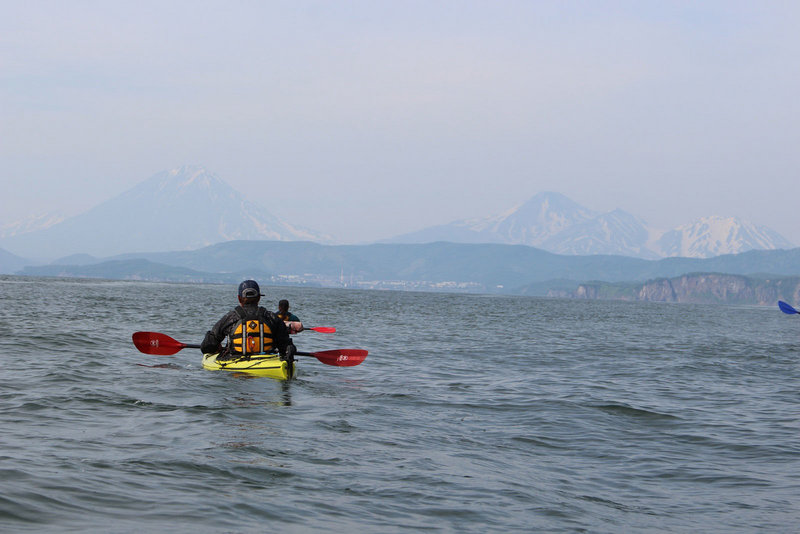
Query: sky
(369, 119)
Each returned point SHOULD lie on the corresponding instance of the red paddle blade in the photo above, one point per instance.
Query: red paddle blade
(322, 329)
(155, 343)
(341, 357)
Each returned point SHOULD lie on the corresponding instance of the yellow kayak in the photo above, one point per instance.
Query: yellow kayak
(269, 365)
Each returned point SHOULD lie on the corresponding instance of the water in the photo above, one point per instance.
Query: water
(471, 414)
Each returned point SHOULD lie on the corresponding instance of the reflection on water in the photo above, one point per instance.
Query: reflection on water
(253, 400)
(161, 366)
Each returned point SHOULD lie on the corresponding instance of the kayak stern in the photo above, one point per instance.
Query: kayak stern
(269, 365)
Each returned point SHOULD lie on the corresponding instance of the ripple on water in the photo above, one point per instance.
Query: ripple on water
(574, 416)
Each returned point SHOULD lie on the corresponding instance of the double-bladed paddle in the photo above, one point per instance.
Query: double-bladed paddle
(163, 345)
(786, 308)
(321, 329)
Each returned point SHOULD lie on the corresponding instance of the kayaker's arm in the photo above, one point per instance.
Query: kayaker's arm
(294, 327)
(212, 342)
(280, 335)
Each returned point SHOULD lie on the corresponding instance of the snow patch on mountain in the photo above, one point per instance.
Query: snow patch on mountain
(31, 224)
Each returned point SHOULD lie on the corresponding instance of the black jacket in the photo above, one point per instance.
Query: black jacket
(213, 341)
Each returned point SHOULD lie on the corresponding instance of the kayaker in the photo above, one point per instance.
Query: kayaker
(249, 329)
(292, 321)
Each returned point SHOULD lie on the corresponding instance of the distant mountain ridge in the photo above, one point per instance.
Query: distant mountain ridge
(11, 263)
(555, 223)
(180, 209)
(487, 268)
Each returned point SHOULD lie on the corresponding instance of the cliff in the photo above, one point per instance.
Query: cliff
(708, 288)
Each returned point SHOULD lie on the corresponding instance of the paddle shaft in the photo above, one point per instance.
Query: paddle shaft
(195, 346)
(163, 345)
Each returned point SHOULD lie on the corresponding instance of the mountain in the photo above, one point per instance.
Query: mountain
(490, 268)
(616, 232)
(532, 223)
(557, 224)
(11, 263)
(466, 268)
(537, 220)
(76, 259)
(713, 236)
(180, 209)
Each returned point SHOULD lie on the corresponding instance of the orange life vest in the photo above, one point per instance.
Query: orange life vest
(251, 334)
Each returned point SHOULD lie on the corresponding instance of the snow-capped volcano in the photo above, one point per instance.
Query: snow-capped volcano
(537, 220)
(531, 223)
(180, 209)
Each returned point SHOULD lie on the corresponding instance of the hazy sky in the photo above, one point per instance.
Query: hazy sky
(370, 119)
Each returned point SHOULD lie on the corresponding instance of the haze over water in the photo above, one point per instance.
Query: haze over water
(471, 414)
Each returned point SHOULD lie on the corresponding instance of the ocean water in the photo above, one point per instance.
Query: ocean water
(472, 413)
